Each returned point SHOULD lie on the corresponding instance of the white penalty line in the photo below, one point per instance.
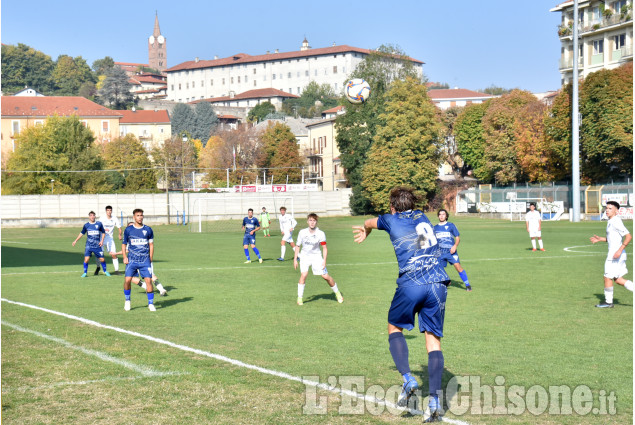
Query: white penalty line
(143, 370)
(225, 359)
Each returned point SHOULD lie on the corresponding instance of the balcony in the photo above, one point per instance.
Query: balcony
(308, 153)
(606, 22)
(568, 63)
(626, 53)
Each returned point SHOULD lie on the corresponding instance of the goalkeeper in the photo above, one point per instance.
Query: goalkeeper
(264, 222)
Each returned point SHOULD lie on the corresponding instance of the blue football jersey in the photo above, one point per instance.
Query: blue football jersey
(250, 224)
(138, 241)
(445, 234)
(415, 246)
(93, 233)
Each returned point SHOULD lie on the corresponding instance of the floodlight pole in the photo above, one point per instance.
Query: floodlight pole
(575, 123)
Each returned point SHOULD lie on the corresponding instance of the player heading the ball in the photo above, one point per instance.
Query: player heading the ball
(421, 289)
(310, 240)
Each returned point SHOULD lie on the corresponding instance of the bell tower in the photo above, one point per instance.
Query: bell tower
(157, 51)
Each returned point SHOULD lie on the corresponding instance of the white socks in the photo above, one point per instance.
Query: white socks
(300, 290)
(540, 243)
(533, 243)
(159, 286)
(334, 288)
(629, 285)
(115, 264)
(283, 249)
(608, 295)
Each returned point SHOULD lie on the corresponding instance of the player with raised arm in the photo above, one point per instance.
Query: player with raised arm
(533, 221)
(138, 250)
(265, 221)
(95, 233)
(287, 224)
(310, 240)
(250, 227)
(448, 238)
(110, 223)
(618, 238)
(421, 289)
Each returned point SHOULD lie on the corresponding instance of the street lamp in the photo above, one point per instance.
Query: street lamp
(52, 182)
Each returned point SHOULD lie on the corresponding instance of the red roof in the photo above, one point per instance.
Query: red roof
(147, 79)
(18, 106)
(241, 58)
(156, 90)
(440, 94)
(144, 117)
(250, 94)
(333, 110)
(228, 117)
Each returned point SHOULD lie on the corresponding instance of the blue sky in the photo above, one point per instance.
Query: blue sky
(467, 44)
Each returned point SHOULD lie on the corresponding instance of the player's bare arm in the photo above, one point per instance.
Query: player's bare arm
(455, 246)
(360, 233)
(151, 245)
(625, 242)
(296, 251)
(124, 252)
(255, 230)
(596, 239)
(78, 238)
(324, 252)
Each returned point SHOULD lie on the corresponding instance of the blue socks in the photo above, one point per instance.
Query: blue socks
(247, 253)
(126, 293)
(150, 297)
(103, 266)
(399, 351)
(435, 371)
(85, 267)
(463, 277)
(256, 251)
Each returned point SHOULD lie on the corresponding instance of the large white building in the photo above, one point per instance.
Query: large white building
(605, 30)
(289, 72)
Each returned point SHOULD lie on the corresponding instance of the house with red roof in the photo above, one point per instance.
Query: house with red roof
(250, 98)
(148, 86)
(448, 98)
(21, 112)
(151, 127)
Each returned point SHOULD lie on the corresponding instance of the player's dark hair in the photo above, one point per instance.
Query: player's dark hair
(314, 216)
(263, 208)
(403, 198)
(447, 214)
(532, 203)
(283, 208)
(108, 207)
(130, 223)
(614, 203)
(92, 212)
(250, 209)
(136, 210)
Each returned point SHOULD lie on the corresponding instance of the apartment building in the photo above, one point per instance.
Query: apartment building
(449, 98)
(323, 155)
(605, 30)
(152, 128)
(288, 72)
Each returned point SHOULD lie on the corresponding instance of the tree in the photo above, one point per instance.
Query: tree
(69, 75)
(470, 139)
(206, 121)
(183, 119)
(24, 66)
(495, 90)
(61, 144)
(88, 90)
(450, 150)
(280, 151)
(558, 129)
(115, 91)
(178, 156)
(286, 164)
(606, 130)
(127, 155)
(358, 126)
(406, 150)
(499, 123)
(260, 111)
(314, 99)
(102, 66)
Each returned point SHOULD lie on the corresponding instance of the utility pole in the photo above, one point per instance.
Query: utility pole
(575, 123)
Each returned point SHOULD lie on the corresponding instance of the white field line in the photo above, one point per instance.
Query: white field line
(23, 243)
(383, 263)
(68, 383)
(238, 363)
(143, 370)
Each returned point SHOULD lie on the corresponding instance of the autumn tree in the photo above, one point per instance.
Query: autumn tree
(558, 130)
(128, 156)
(177, 157)
(406, 149)
(470, 139)
(357, 128)
(280, 152)
(60, 144)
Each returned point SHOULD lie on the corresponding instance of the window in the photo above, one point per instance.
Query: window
(598, 47)
(39, 122)
(290, 90)
(238, 79)
(306, 73)
(289, 75)
(231, 80)
(254, 70)
(595, 14)
(618, 5)
(15, 128)
(179, 86)
(315, 72)
(211, 82)
(105, 126)
(298, 91)
(254, 83)
(172, 87)
(298, 74)
(273, 77)
(161, 130)
(192, 84)
(335, 69)
(202, 83)
(245, 78)
(187, 85)
(620, 41)
(223, 81)
(281, 75)
(85, 123)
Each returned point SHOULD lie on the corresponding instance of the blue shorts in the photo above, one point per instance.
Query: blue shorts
(138, 269)
(446, 258)
(99, 252)
(426, 300)
(249, 239)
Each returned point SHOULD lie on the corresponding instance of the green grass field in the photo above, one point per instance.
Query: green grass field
(530, 321)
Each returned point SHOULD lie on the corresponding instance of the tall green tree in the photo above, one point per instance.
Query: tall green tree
(102, 66)
(470, 139)
(178, 157)
(271, 139)
(61, 144)
(24, 66)
(406, 149)
(115, 91)
(358, 126)
(606, 131)
(128, 155)
(183, 119)
(70, 74)
(314, 99)
(558, 128)
(260, 111)
(206, 121)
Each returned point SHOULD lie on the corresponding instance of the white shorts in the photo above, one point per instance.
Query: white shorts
(109, 244)
(315, 262)
(615, 268)
(287, 237)
(535, 233)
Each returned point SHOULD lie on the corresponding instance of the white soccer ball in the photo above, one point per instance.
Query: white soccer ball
(357, 90)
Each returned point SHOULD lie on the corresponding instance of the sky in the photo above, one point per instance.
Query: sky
(465, 43)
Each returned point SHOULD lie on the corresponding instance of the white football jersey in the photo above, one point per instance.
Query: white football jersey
(615, 231)
(287, 222)
(533, 218)
(109, 224)
(311, 242)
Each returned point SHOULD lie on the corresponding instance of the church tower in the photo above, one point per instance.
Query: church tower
(157, 51)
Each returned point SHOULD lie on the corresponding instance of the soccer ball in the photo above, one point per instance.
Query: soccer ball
(357, 90)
